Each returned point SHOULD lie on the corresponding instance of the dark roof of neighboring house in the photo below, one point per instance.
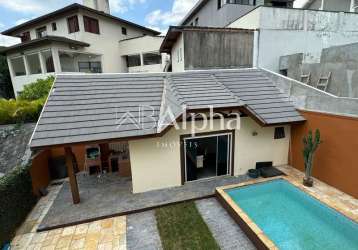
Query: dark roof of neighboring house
(136, 37)
(308, 3)
(87, 108)
(174, 32)
(69, 8)
(44, 40)
(201, 3)
(197, 7)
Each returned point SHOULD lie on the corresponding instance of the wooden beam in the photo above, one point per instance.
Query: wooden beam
(72, 176)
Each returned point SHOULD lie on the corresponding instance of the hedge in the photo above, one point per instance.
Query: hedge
(16, 201)
(37, 90)
(20, 111)
(29, 103)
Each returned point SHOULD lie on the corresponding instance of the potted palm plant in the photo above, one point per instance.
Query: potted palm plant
(310, 145)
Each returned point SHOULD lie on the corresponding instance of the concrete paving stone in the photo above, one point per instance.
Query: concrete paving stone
(225, 230)
(142, 232)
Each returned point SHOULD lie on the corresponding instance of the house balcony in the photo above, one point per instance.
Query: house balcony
(42, 57)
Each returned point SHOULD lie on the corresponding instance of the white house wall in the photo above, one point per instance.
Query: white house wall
(142, 45)
(289, 31)
(276, 43)
(105, 43)
(156, 163)
(249, 21)
(209, 15)
(178, 55)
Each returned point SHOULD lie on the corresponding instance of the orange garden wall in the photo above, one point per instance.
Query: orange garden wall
(79, 152)
(336, 160)
(39, 171)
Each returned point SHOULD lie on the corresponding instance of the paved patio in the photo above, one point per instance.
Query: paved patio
(124, 232)
(110, 196)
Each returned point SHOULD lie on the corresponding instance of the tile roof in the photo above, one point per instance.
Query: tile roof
(89, 107)
(69, 9)
(44, 40)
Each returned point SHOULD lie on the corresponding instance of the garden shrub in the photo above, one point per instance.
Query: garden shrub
(16, 201)
(29, 104)
(20, 111)
(37, 90)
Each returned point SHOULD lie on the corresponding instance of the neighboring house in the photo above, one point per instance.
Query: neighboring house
(141, 54)
(275, 32)
(195, 48)
(332, 5)
(288, 31)
(160, 154)
(219, 13)
(75, 38)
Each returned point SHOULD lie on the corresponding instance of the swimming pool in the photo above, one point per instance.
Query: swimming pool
(292, 219)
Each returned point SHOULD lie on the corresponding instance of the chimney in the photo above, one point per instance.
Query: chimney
(100, 5)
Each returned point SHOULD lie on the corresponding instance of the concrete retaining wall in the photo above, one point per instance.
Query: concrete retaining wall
(309, 98)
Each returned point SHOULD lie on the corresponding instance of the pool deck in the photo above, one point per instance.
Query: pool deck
(341, 202)
(112, 233)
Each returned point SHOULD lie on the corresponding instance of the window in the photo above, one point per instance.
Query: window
(72, 23)
(242, 2)
(279, 133)
(33, 61)
(283, 72)
(196, 21)
(219, 4)
(133, 61)
(124, 31)
(41, 32)
(18, 66)
(91, 25)
(90, 67)
(279, 4)
(54, 26)
(25, 36)
(47, 58)
(152, 58)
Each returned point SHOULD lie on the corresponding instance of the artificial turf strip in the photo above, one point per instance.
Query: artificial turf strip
(182, 227)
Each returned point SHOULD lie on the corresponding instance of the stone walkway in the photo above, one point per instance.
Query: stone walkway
(111, 195)
(102, 234)
(225, 230)
(142, 232)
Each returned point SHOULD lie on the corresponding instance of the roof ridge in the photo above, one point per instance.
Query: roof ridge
(168, 104)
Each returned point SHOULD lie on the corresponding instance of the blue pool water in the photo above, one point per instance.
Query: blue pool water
(293, 219)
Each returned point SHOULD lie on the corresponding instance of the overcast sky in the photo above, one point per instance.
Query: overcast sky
(156, 14)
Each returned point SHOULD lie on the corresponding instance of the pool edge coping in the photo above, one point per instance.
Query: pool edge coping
(254, 232)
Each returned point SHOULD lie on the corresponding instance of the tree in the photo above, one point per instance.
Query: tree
(310, 145)
(5, 79)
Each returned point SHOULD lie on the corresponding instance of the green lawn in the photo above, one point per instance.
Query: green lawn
(182, 227)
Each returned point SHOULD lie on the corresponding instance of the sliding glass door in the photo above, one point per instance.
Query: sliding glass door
(207, 156)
